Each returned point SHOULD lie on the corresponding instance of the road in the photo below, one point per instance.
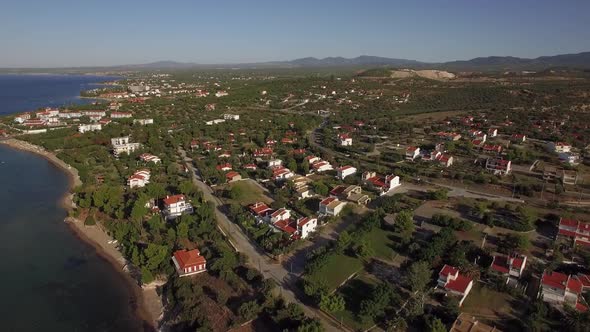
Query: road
(286, 281)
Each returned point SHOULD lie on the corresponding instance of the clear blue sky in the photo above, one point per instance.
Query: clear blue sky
(42, 33)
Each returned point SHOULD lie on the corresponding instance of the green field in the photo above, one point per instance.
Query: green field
(382, 242)
(338, 268)
(487, 302)
(353, 292)
(249, 193)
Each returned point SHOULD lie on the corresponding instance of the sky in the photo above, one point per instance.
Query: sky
(60, 33)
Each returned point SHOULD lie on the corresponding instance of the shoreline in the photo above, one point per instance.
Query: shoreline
(148, 305)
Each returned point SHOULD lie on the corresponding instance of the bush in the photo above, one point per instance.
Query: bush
(457, 224)
(90, 221)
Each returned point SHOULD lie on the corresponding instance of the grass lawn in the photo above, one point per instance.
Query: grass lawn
(487, 302)
(354, 292)
(382, 242)
(338, 268)
(250, 193)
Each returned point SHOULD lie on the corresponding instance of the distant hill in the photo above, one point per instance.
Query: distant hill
(579, 60)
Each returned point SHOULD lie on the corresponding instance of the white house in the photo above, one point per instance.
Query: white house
(280, 214)
(221, 93)
(331, 206)
(231, 117)
(382, 184)
(559, 147)
(121, 115)
(499, 166)
(345, 171)
(83, 128)
(150, 158)
(322, 166)
(454, 283)
(345, 140)
(412, 152)
(139, 179)
(558, 288)
(122, 145)
(143, 122)
(306, 226)
(176, 205)
(512, 265)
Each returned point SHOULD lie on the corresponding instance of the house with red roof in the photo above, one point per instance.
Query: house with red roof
(492, 148)
(511, 266)
(345, 171)
(499, 166)
(559, 147)
(260, 211)
(345, 139)
(280, 214)
(263, 152)
(250, 167)
(306, 226)
(322, 166)
(121, 115)
(139, 179)
(445, 160)
(493, 132)
(448, 136)
(232, 176)
(575, 230)
(150, 158)
(176, 205)
(194, 144)
(224, 167)
(331, 206)
(454, 283)
(379, 183)
(189, 262)
(412, 152)
(518, 138)
(559, 288)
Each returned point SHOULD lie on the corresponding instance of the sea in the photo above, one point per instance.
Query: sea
(50, 280)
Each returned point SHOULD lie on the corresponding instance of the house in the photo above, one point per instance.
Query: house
(448, 136)
(379, 183)
(331, 206)
(306, 226)
(201, 93)
(351, 193)
(492, 148)
(194, 144)
(412, 152)
(142, 122)
(445, 160)
(493, 132)
(96, 113)
(345, 171)
(511, 266)
(176, 205)
(149, 158)
(250, 167)
(468, 323)
(575, 230)
(454, 282)
(280, 214)
(345, 140)
(221, 93)
(312, 159)
(231, 117)
(225, 154)
(216, 121)
(273, 163)
(260, 210)
(263, 152)
(569, 177)
(499, 166)
(518, 138)
(569, 158)
(559, 288)
(303, 192)
(139, 179)
(322, 166)
(224, 167)
(281, 173)
(122, 145)
(189, 262)
(22, 118)
(104, 122)
(121, 115)
(83, 128)
(233, 176)
(559, 147)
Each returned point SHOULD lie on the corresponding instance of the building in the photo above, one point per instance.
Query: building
(263, 152)
(518, 138)
(445, 160)
(306, 226)
(379, 183)
(83, 128)
(345, 140)
(122, 145)
(142, 122)
(492, 132)
(273, 163)
(233, 176)
(22, 118)
(224, 167)
(322, 166)
(121, 115)
(569, 177)
(492, 148)
(350, 193)
(280, 214)
(189, 262)
(280, 173)
(468, 323)
(139, 179)
(454, 283)
(331, 206)
(149, 158)
(412, 152)
(559, 288)
(448, 136)
(96, 113)
(231, 117)
(511, 266)
(575, 230)
(559, 147)
(221, 93)
(569, 158)
(260, 211)
(499, 166)
(345, 171)
(176, 205)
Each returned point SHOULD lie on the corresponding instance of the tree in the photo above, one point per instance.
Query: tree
(343, 242)
(310, 325)
(236, 192)
(436, 325)
(139, 210)
(404, 225)
(155, 255)
(363, 250)
(332, 303)
(249, 310)
(90, 221)
(320, 188)
(418, 276)
(146, 276)
(439, 194)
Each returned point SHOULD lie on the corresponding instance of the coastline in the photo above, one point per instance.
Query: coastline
(148, 308)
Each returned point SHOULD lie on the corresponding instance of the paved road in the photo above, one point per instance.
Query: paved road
(256, 257)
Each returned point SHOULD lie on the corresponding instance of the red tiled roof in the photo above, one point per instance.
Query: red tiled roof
(500, 264)
(302, 222)
(285, 226)
(554, 279)
(327, 201)
(448, 270)
(186, 258)
(574, 285)
(568, 222)
(231, 175)
(173, 199)
(259, 208)
(460, 284)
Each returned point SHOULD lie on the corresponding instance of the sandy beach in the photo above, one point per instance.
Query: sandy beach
(149, 305)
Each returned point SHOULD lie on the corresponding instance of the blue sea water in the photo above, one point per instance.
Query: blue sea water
(20, 93)
(50, 280)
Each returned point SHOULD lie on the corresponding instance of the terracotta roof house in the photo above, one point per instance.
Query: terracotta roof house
(454, 282)
(512, 265)
(576, 230)
(189, 262)
(559, 288)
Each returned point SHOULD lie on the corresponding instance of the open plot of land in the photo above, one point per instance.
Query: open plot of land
(338, 268)
(250, 193)
(354, 292)
(382, 242)
(488, 303)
